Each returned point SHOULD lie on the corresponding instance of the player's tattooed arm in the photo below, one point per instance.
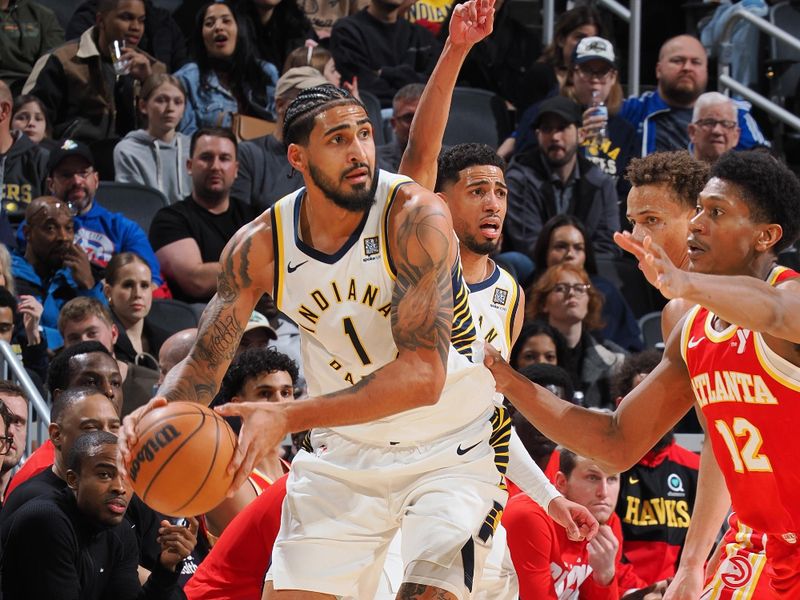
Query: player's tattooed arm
(197, 378)
(422, 300)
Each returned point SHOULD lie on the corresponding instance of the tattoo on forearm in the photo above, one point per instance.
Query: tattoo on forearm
(422, 306)
(415, 591)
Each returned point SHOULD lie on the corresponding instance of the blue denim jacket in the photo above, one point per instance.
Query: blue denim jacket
(209, 104)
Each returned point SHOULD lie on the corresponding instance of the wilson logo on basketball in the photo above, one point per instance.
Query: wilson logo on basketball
(151, 447)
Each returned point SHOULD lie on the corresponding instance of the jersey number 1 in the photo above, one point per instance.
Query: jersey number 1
(748, 458)
(350, 331)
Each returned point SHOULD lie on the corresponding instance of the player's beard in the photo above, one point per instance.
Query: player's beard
(359, 200)
(481, 248)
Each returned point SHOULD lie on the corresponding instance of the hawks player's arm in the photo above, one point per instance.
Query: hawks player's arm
(247, 273)
(615, 440)
(423, 249)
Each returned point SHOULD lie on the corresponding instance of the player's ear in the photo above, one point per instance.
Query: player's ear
(443, 196)
(296, 156)
(768, 236)
(72, 479)
(54, 432)
(561, 482)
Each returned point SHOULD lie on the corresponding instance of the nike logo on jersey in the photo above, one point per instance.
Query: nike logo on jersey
(460, 451)
(633, 480)
(294, 268)
(693, 342)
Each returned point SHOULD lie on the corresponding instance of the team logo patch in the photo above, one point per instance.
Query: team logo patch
(737, 572)
(371, 246)
(500, 296)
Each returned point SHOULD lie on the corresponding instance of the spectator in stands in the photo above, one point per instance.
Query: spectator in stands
(258, 333)
(226, 78)
(162, 38)
(174, 349)
(714, 128)
(19, 326)
(314, 56)
(98, 231)
(324, 14)
(6, 274)
(542, 449)
(84, 364)
(84, 97)
(14, 399)
(86, 319)
(564, 240)
(555, 179)
(31, 119)
(548, 564)
(383, 49)
(264, 174)
(404, 105)
(662, 117)
(84, 522)
(189, 235)
(278, 27)
(129, 290)
(259, 374)
(657, 494)
(433, 14)
(23, 164)
(663, 200)
(27, 30)
(156, 156)
(566, 299)
(53, 268)
(538, 343)
(288, 336)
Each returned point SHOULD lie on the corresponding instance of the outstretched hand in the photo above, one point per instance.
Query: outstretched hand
(655, 264)
(471, 22)
(127, 437)
(575, 518)
(264, 425)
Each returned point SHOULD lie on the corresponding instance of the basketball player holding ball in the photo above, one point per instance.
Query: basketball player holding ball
(366, 264)
(736, 353)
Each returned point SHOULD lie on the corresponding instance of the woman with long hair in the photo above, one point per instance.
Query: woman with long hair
(564, 239)
(156, 156)
(226, 77)
(565, 298)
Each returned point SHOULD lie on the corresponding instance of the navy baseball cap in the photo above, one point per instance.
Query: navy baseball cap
(66, 149)
(561, 106)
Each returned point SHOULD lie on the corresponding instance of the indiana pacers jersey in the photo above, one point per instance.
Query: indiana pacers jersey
(342, 305)
(494, 303)
(750, 397)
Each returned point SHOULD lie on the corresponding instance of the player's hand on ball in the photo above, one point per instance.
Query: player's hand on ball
(575, 518)
(687, 584)
(264, 425)
(655, 264)
(177, 542)
(127, 438)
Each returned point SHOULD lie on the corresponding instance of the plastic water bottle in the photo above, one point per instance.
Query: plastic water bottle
(600, 109)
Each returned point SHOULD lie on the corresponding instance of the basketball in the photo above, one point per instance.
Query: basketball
(179, 464)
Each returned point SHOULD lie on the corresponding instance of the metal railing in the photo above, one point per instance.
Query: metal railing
(725, 51)
(38, 411)
(632, 16)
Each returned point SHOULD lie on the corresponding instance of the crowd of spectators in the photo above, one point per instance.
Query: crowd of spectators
(128, 92)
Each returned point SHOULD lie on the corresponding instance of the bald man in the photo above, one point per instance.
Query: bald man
(174, 349)
(53, 269)
(662, 117)
(23, 163)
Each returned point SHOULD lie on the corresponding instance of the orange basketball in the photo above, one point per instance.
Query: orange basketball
(179, 464)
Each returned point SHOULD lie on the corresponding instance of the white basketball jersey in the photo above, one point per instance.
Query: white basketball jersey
(494, 303)
(342, 305)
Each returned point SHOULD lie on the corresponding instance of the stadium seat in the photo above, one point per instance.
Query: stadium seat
(477, 116)
(785, 15)
(650, 325)
(172, 315)
(137, 202)
(374, 112)
(625, 274)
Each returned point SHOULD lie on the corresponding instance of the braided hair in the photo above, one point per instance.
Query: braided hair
(299, 119)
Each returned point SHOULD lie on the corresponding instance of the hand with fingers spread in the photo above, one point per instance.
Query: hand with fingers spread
(471, 22)
(574, 518)
(264, 425)
(78, 262)
(603, 555)
(31, 310)
(127, 437)
(177, 542)
(655, 264)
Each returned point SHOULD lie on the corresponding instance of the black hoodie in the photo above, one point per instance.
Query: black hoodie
(23, 175)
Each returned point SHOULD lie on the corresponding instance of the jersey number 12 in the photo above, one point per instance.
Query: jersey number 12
(748, 458)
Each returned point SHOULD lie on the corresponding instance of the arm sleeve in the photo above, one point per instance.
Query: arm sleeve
(188, 124)
(135, 240)
(81, 19)
(527, 475)
(52, 33)
(351, 55)
(125, 168)
(47, 82)
(751, 135)
(51, 574)
(243, 184)
(602, 238)
(531, 542)
(168, 226)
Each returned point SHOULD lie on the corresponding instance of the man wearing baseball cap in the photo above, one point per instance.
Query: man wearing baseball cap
(554, 178)
(265, 174)
(99, 233)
